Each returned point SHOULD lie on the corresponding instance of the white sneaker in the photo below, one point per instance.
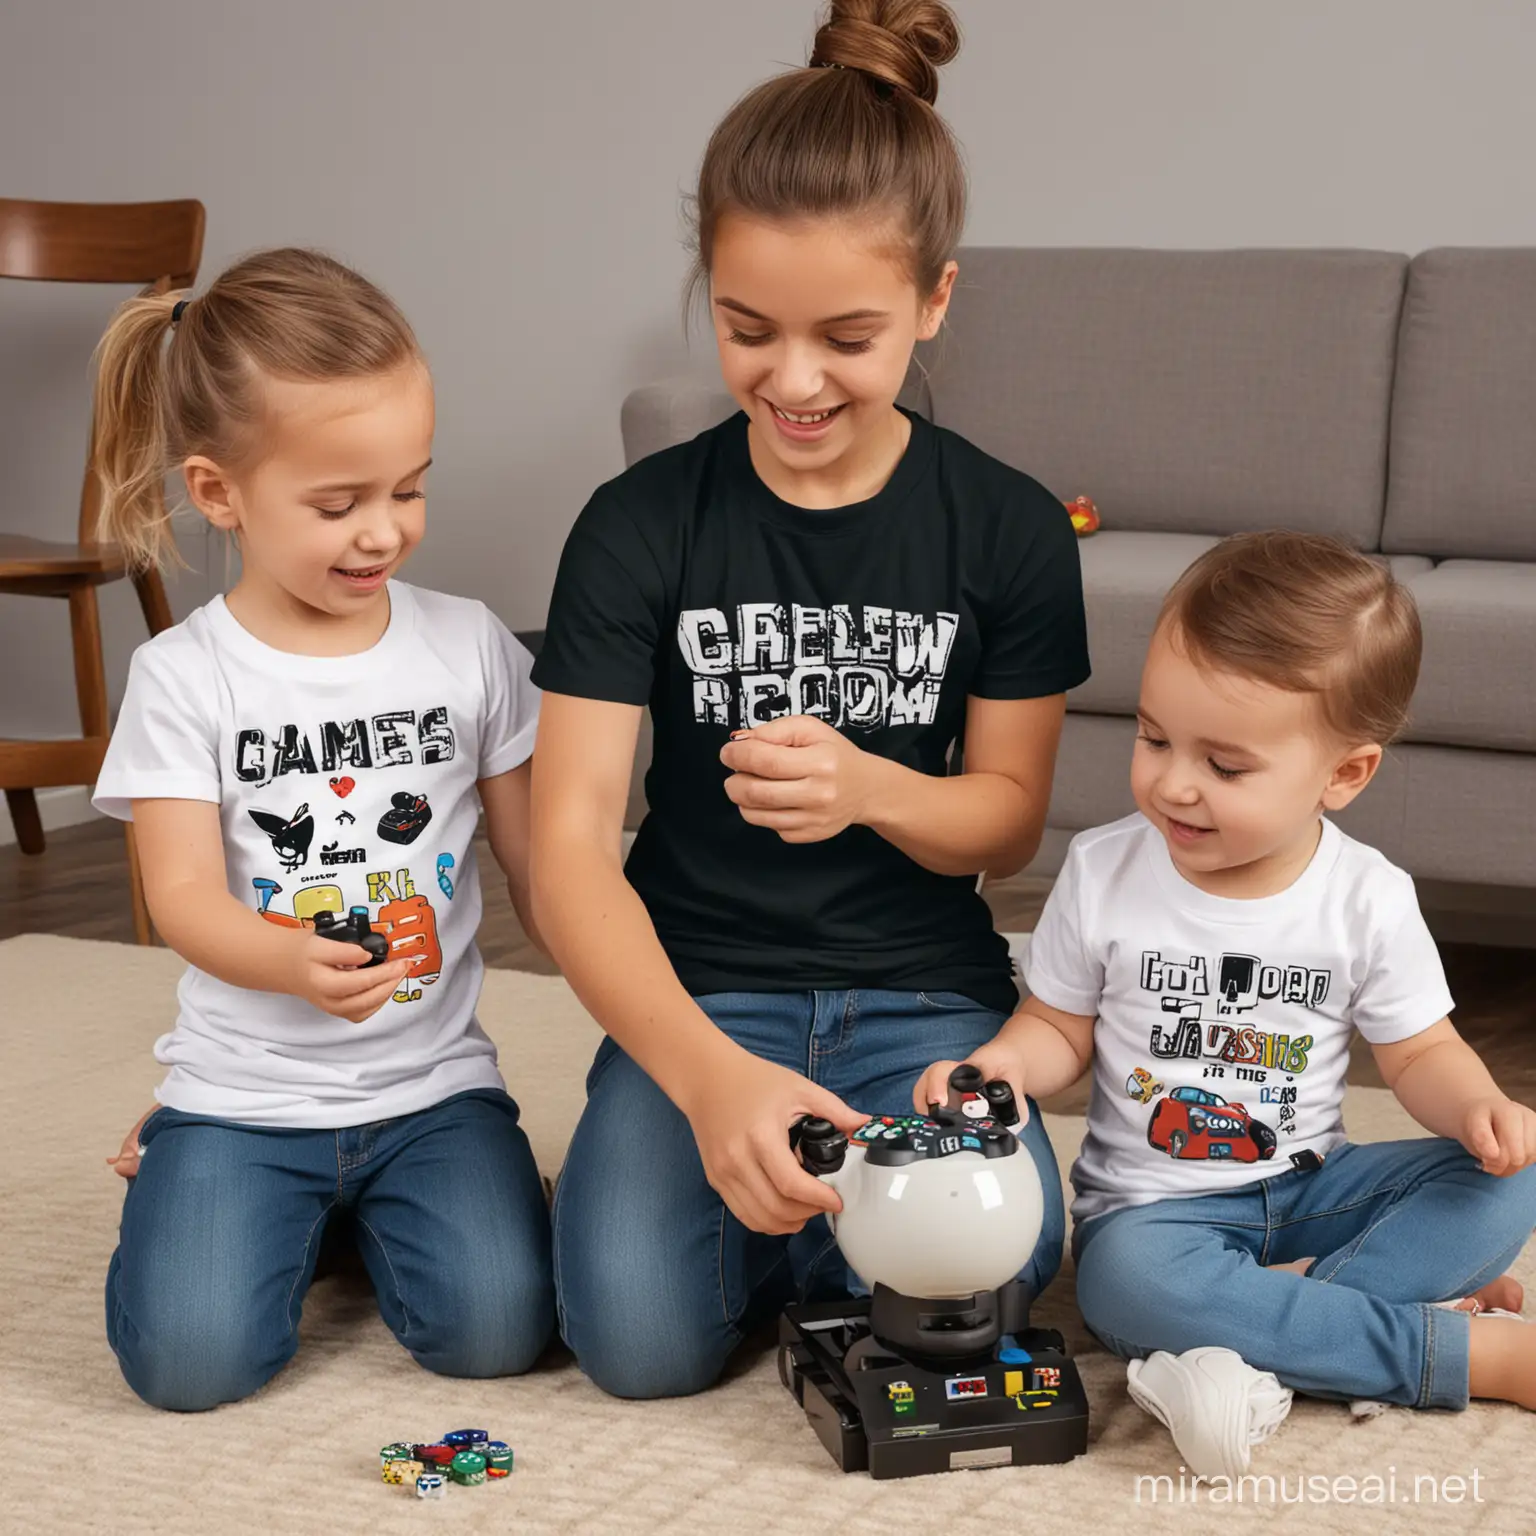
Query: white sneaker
(1213, 1403)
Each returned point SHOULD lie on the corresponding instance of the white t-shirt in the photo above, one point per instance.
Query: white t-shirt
(1222, 1027)
(342, 782)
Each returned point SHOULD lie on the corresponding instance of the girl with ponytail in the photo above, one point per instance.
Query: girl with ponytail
(304, 760)
(817, 600)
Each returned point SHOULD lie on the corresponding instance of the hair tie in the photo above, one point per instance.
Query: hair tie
(179, 310)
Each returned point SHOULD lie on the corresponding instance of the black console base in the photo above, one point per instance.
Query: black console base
(1020, 1404)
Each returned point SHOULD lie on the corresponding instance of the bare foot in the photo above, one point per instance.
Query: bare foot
(1506, 1293)
(1502, 1359)
(1296, 1266)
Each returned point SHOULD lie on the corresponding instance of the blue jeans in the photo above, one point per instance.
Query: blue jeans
(657, 1281)
(222, 1225)
(1392, 1227)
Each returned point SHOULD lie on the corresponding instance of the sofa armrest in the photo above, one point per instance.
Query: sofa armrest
(671, 411)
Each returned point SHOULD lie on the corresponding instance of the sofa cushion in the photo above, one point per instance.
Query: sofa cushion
(1477, 685)
(1187, 391)
(1125, 578)
(1463, 470)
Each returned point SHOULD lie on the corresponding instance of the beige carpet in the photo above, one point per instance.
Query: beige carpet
(80, 1453)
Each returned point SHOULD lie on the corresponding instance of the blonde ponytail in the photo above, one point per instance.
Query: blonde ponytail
(131, 454)
(281, 314)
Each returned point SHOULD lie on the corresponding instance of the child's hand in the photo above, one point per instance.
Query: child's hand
(742, 1127)
(996, 1059)
(330, 975)
(126, 1161)
(1500, 1133)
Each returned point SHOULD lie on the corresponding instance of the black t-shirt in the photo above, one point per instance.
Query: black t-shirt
(686, 584)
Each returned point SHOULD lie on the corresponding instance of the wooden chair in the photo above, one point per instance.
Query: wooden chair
(156, 246)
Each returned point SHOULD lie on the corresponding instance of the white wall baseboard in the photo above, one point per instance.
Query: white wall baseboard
(65, 806)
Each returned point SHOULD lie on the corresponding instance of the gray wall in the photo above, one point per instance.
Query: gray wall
(510, 171)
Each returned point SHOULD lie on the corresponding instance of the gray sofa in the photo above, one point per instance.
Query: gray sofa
(1194, 394)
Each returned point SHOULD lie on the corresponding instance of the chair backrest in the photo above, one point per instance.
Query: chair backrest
(156, 246)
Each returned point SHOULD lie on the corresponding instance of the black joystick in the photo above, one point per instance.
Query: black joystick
(353, 929)
(1005, 1108)
(964, 1081)
(822, 1146)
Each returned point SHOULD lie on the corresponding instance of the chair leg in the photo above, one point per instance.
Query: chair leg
(22, 804)
(143, 933)
(152, 599)
(90, 671)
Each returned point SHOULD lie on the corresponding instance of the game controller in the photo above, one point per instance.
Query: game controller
(353, 929)
(938, 1205)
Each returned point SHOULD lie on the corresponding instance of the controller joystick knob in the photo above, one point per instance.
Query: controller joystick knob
(1005, 1108)
(963, 1081)
(822, 1146)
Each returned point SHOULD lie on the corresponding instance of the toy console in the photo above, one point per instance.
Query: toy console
(937, 1369)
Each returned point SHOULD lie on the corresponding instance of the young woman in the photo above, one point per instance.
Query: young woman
(817, 600)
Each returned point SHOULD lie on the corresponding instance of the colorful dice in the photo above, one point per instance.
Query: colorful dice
(468, 1468)
(430, 1485)
(466, 1439)
(498, 1459)
(399, 1451)
(401, 1472)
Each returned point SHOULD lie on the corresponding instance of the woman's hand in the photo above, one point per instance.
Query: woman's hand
(331, 976)
(1499, 1133)
(126, 1161)
(799, 777)
(996, 1059)
(741, 1121)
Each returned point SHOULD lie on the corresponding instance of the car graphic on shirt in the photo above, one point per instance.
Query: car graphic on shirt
(1195, 1123)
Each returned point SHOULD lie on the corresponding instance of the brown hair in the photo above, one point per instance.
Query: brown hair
(1308, 614)
(167, 388)
(854, 133)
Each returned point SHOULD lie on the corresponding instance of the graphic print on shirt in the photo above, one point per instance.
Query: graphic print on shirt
(290, 836)
(396, 738)
(857, 669)
(343, 753)
(1208, 1023)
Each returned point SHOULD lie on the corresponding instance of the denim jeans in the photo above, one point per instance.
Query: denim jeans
(657, 1281)
(1392, 1227)
(221, 1228)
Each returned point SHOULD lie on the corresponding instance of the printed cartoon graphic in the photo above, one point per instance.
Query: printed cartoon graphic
(1193, 1123)
(345, 819)
(444, 879)
(307, 902)
(333, 853)
(290, 838)
(405, 818)
(407, 920)
(343, 787)
(1142, 1087)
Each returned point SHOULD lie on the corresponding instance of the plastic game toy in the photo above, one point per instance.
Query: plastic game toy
(937, 1369)
(353, 929)
(468, 1457)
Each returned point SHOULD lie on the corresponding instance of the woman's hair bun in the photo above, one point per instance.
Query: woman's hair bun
(901, 42)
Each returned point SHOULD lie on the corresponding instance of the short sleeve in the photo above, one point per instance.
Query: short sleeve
(606, 612)
(165, 745)
(1403, 991)
(1061, 969)
(511, 701)
(1035, 638)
